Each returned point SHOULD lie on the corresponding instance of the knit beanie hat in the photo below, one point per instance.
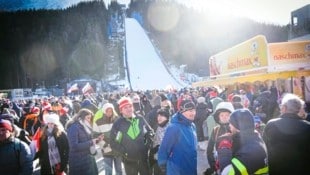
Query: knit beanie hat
(163, 97)
(163, 113)
(136, 99)
(236, 98)
(242, 119)
(63, 111)
(51, 118)
(187, 105)
(123, 102)
(35, 110)
(6, 124)
(201, 100)
(156, 101)
(107, 106)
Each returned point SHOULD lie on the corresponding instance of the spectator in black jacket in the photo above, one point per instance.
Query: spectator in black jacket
(151, 117)
(203, 110)
(288, 139)
(54, 146)
(127, 138)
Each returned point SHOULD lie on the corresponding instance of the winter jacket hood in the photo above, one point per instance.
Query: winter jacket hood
(181, 119)
(178, 151)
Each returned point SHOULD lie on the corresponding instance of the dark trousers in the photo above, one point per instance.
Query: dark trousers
(136, 167)
(199, 130)
(108, 165)
(155, 170)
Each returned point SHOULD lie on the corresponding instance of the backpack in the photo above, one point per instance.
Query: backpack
(223, 147)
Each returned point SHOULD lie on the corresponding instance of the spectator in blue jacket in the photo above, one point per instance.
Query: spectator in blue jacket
(177, 153)
(81, 144)
(15, 155)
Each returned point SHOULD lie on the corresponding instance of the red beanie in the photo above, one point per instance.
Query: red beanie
(35, 110)
(123, 102)
(63, 110)
(46, 106)
(6, 124)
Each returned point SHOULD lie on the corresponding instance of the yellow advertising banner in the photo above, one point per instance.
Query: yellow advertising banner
(242, 59)
(252, 78)
(294, 55)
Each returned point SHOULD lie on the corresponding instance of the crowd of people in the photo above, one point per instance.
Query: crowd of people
(156, 132)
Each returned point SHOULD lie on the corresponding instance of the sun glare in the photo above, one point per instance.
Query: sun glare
(221, 8)
(275, 11)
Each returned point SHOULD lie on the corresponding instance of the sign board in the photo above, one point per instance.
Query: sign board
(246, 58)
(286, 56)
(17, 93)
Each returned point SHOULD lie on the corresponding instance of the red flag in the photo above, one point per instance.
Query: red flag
(36, 139)
(74, 87)
(87, 88)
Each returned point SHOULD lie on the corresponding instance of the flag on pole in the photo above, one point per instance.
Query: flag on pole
(73, 88)
(35, 141)
(87, 88)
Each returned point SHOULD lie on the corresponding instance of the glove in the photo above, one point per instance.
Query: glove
(209, 171)
(148, 138)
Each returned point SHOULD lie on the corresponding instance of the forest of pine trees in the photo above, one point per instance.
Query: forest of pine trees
(56, 46)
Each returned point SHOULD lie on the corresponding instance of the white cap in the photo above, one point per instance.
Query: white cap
(107, 106)
(52, 118)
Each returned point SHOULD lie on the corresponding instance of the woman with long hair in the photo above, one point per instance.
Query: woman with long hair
(54, 147)
(103, 121)
(82, 145)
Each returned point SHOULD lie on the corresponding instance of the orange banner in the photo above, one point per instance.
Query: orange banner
(294, 55)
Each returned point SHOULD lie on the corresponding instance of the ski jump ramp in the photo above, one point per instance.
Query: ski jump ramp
(146, 70)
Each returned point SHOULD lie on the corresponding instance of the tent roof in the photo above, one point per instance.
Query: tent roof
(251, 78)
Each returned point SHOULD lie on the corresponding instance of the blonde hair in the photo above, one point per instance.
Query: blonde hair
(56, 132)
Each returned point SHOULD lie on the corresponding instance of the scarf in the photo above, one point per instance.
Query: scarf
(53, 152)
(159, 135)
(89, 129)
(86, 126)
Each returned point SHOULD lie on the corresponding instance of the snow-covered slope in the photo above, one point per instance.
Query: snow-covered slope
(147, 72)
